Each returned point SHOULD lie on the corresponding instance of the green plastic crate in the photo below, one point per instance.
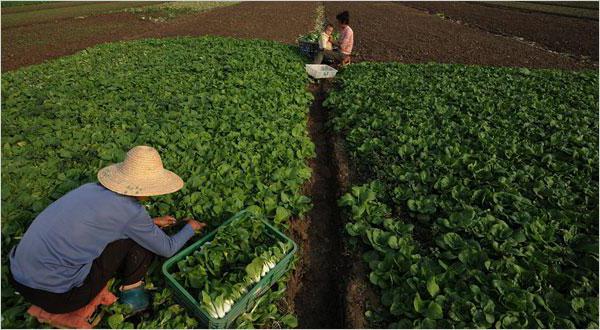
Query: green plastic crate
(244, 303)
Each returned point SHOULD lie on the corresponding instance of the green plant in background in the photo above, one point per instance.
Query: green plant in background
(314, 36)
(229, 116)
(319, 26)
(167, 10)
(310, 37)
(481, 202)
(6, 4)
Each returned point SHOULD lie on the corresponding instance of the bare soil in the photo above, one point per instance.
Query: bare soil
(575, 36)
(53, 12)
(330, 287)
(45, 6)
(34, 43)
(384, 31)
(277, 21)
(318, 283)
(389, 31)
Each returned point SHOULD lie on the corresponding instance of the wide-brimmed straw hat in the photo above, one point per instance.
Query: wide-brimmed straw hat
(141, 174)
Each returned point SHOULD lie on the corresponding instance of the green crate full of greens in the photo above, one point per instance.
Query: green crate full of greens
(220, 276)
(309, 43)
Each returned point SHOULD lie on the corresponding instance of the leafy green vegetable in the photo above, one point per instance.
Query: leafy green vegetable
(228, 266)
(310, 37)
(314, 36)
(481, 201)
(229, 116)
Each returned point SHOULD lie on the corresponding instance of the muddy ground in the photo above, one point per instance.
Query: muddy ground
(35, 43)
(388, 31)
(576, 36)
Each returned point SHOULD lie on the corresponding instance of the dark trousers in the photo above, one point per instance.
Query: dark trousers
(124, 258)
(334, 55)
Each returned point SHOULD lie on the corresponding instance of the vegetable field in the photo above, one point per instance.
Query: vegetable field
(228, 116)
(478, 194)
(461, 196)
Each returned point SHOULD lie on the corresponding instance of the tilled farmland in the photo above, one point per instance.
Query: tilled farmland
(389, 31)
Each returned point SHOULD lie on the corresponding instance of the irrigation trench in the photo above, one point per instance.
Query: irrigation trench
(318, 287)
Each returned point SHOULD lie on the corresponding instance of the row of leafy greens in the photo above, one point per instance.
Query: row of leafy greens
(228, 116)
(478, 203)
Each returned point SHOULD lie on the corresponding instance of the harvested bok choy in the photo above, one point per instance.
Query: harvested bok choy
(223, 270)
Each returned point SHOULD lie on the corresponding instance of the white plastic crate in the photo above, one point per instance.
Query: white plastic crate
(320, 71)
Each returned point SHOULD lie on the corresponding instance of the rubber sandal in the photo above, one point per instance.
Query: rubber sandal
(137, 299)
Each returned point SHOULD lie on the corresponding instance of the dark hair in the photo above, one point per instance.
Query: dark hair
(328, 25)
(343, 17)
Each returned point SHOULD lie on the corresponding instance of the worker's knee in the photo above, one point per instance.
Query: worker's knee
(134, 254)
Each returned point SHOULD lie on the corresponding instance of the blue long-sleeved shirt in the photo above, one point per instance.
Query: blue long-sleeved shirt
(57, 250)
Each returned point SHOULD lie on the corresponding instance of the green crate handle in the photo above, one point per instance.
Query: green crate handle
(266, 281)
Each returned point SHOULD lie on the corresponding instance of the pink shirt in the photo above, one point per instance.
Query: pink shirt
(346, 40)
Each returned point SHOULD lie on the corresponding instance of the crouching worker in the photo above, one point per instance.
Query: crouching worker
(345, 43)
(96, 232)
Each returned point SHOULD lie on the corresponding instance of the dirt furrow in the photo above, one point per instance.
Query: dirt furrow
(318, 285)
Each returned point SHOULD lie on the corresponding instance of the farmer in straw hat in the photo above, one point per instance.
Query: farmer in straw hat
(95, 232)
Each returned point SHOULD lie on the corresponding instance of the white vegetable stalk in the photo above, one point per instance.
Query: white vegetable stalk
(220, 306)
(220, 311)
(212, 310)
(265, 269)
(272, 262)
(227, 305)
(255, 278)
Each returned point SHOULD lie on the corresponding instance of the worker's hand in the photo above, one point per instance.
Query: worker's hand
(196, 225)
(165, 221)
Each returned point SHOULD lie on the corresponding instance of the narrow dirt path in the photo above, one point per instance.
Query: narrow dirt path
(318, 289)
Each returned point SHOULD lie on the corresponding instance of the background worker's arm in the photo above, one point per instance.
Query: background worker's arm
(335, 42)
(323, 40)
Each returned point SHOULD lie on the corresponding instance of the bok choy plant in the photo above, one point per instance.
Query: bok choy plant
(224, 269)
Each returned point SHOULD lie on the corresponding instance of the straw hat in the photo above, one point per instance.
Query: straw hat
(141, 174)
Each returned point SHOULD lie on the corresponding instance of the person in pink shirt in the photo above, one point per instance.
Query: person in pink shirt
(344, 44)
(346, 41)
